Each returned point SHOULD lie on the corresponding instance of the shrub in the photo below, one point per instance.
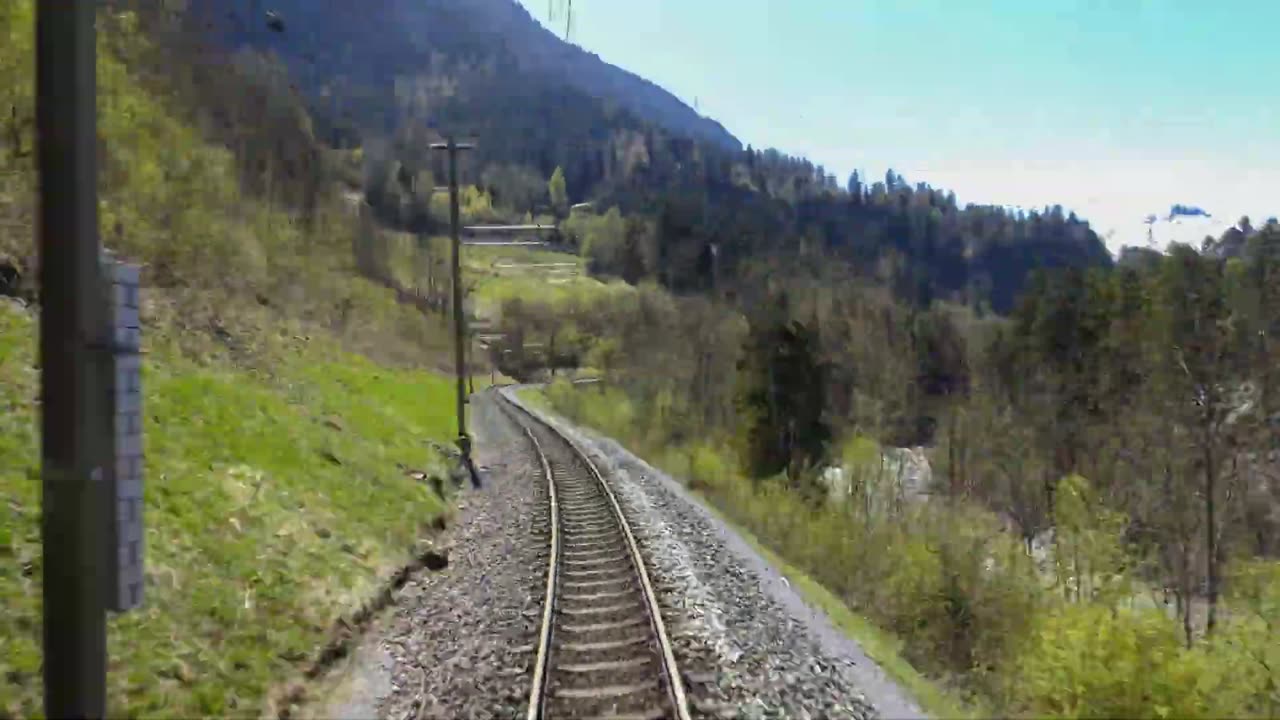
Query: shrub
(1252, 634)
(708, 468)
(605, 408)
(1085, 660)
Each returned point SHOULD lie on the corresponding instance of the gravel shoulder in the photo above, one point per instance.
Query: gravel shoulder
(777, 655)
(458, 643)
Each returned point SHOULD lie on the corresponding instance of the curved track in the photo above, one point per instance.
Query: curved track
(603, 650)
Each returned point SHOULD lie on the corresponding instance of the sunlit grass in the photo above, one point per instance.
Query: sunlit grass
(552, 286)
(272, 507)
(277, 493)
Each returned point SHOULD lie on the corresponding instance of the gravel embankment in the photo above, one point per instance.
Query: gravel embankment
(460, 642)
(777, 656)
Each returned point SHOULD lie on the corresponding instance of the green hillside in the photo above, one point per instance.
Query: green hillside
(288, 391)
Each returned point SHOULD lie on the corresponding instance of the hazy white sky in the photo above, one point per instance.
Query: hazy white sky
(1112, 108)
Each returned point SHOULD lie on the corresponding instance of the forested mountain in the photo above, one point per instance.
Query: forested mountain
(388, 75)
(415, 58)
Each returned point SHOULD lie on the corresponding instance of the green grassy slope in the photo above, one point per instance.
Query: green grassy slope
(495, 284)
(273, 506)
(285, 402)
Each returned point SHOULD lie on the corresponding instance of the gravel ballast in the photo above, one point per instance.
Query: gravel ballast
(460, 642)
(777, 656)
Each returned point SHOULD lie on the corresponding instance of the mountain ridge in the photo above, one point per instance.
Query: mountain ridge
(392, 76)
(544, 50)
(388, 44)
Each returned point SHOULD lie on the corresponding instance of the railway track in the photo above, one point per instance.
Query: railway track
(603, 649)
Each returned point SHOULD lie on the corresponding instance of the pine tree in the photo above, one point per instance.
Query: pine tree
(556, 189)
(785, 399)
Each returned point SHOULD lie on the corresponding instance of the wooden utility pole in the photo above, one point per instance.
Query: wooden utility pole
(471, 366)
(459, 317)
(74, 362)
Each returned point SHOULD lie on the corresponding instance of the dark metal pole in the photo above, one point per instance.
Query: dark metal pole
(73, 361)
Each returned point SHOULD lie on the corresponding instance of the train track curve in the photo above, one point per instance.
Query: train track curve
(603, 650)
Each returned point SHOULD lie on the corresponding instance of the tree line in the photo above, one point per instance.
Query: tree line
(1157, 385)
(681, 196)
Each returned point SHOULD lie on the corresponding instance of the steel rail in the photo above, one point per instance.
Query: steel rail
(677, 696)
(540, 676)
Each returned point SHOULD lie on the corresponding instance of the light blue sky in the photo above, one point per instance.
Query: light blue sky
(1113, 108)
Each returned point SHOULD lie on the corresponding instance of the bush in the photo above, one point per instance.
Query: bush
(1085, 660)
(561, 394)
(602, 407)
(1253, 634)
(707, 467)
